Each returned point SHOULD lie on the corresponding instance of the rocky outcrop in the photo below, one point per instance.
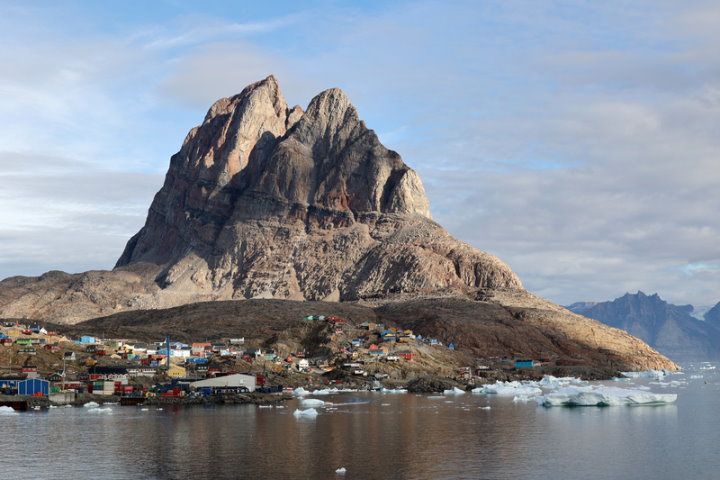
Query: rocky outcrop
(668, 328)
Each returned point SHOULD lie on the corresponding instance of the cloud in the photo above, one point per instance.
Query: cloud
(577, 142)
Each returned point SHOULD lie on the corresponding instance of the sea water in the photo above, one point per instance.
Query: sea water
(380, 436)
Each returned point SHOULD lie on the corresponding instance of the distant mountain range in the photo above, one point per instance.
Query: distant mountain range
(670, 329)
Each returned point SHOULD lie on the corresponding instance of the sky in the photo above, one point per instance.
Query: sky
(577, 141)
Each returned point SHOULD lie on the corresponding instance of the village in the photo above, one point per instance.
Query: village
(319, 351)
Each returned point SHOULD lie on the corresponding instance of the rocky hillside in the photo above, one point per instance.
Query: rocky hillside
(668, 328)
(264, 201)
(484, 328)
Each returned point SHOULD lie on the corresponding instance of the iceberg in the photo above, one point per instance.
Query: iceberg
(341, 470)
(310, 412)
(100, 410)
(300, 392)
(509, 389)
(312, 402)
(454, 391)
(91, 405)
(552, 383)
(602, 396)
(651, 374)
(6, 410)
(392, 390)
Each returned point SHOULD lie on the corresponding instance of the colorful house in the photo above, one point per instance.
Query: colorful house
(176, 371)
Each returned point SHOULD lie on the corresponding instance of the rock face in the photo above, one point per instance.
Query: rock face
(264, 201)
(668, 328)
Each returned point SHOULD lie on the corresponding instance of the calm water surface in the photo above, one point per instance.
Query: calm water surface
(377, 436)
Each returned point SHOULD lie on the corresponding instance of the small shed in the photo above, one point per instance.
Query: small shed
(33, 386)
(524, 363)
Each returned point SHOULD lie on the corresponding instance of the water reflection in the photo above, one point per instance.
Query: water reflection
(374, 436)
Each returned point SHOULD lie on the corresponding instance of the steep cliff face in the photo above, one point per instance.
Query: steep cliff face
(668, 328)
(264, 201)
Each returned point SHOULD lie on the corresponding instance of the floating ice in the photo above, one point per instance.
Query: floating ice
(484, 408)
(454, 391)
(551, 382)
(652, 374)
(100, 410)
(310, 412)
(435, 397)
(91, 405)
(300, 392)
(696, 377)
(311, 402)
(523, 398)
(6, 410)
(341, 470)
(603, 396)
(264, 406)
(509, 389)
(392, 390)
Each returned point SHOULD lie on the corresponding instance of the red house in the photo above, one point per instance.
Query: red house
(406, 355)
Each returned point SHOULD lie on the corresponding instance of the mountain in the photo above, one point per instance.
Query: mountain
(264, 201)
(712, 316)
(668, 328)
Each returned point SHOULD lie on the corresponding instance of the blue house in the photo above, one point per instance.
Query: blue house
(87, 339)
(33, 386)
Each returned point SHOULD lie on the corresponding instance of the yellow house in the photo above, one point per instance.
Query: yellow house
(177, 371)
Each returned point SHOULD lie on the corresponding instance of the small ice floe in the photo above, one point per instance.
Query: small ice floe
(453, 391)
(551, 382)
(279, 406)
(696, 377)
(385, 404)
(651, 374)
(310, 412)
(52, 406)
(341, 471)
(509, 389)
(672, 383)
(300, 392)
(392, 390)
(435, 397)
(7, 410)
(36, 407)
(91, 405)
(602, 396)
(312, 402)
(265, 406)
(523, 398)
(485, 408)
(100, 410)
(144, 409)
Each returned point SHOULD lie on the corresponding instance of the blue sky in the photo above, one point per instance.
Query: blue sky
(575, 140)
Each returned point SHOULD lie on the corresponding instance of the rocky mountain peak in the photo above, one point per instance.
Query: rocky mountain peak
(263, 200)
